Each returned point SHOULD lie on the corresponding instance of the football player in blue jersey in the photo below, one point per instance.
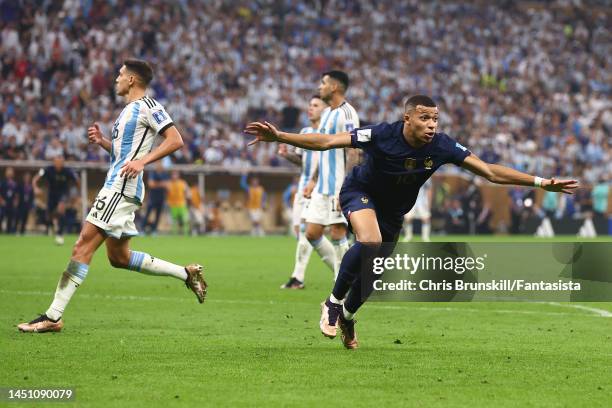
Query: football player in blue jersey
(375, 196)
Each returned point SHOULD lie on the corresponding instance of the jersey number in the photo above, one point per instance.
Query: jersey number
(100, 203)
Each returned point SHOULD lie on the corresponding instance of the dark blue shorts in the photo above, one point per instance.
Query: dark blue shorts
(53, 201)
(390, 220)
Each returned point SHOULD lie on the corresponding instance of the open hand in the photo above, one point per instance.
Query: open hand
(560, 186)
(263, 132)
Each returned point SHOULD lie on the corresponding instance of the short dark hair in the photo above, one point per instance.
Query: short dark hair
(316, 96)
(339, 76)
(417, 100)
(141, 68)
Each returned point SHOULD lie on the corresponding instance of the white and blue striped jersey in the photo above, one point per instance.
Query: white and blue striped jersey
(132, 137)
(332, 164)
(309, 161)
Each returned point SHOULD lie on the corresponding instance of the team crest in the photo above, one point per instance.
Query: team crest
(364, 200)
(410, 163)
(428, 163)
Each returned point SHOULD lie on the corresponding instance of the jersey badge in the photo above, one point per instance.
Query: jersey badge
(410, 163)
(428, 163)
(159, 116)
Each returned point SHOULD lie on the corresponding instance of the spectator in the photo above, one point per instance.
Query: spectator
(177, 201)
(196, 211)
(157, 184)
(544, 106)
(599, 197)
(255, 203)
(26, 202)
(9, 201)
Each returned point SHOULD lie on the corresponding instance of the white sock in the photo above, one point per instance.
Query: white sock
(408, 231)
(548, 228)
(347, 315)
(145, 263)
(325, 249)
(333, 299)
(71, 279)
(340, 248)
(303, 251)
(589, 228)
(425, 231)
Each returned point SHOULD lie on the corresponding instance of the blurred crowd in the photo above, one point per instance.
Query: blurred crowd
(527, 84)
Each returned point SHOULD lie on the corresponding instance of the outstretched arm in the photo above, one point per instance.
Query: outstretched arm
(505, 175)
(266, 132)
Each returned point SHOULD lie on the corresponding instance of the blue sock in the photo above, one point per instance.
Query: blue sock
(349, 270)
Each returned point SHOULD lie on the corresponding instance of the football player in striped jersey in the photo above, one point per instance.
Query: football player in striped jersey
(308, 160)
(324, 208)
(111, 218)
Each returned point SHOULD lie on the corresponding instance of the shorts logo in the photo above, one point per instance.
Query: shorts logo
(364, 200)
(364, 135)
(410, 163)
(428, 163)
(159, 116)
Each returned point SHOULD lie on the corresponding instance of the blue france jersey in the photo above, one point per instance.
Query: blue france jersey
(393, 171)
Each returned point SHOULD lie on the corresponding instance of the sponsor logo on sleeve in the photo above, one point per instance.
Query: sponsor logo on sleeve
(460, 146)
(159, 116)
(364, 135)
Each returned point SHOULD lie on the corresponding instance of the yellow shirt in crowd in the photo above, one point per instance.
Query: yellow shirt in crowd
(255, 198)
(176, 193)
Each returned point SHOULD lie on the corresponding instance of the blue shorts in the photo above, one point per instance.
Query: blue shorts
(390, 220)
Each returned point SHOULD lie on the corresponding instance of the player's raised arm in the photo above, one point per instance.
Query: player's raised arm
(498, 174)
(266, 132)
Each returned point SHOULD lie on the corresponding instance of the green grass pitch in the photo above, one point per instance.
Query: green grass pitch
(133, 340)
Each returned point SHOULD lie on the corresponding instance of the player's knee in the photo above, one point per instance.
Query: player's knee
(312, 235)
(370, 237)
(338, 231)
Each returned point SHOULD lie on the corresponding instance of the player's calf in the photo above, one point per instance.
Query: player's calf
(190, 274)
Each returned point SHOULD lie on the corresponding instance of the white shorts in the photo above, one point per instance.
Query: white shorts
(300, 204)
(256, 215)
(196, 215)
(420, 211)
(114, 213)
(322, 210)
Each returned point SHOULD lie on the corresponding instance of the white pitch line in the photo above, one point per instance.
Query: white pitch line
(598, 312)
(593, 312)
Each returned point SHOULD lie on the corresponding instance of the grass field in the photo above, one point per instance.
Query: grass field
(139, 341)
